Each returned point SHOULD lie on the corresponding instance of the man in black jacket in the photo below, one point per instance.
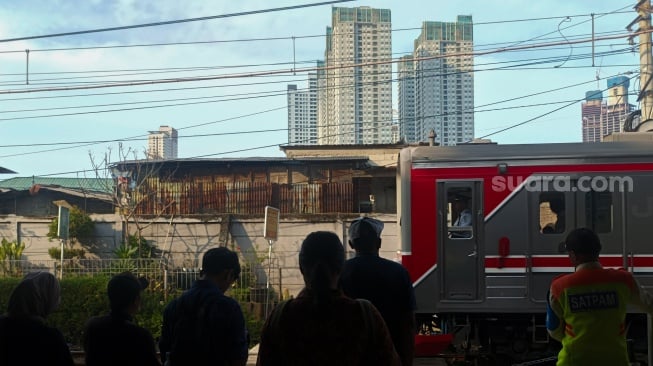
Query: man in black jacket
(203, 326)
(385, 283)
(115, 339)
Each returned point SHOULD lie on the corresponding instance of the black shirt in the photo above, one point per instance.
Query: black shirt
(29, 341)
(203, 327)
(386, 284)
(115, 340)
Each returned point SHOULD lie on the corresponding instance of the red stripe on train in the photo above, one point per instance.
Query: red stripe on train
(520, 262)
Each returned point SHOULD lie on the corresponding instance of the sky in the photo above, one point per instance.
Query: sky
(237, 114)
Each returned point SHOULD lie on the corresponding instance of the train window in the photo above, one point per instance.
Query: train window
(460, 218)
(598, 211)
(552, 213)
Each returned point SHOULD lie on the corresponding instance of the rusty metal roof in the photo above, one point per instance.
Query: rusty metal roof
(249, 161)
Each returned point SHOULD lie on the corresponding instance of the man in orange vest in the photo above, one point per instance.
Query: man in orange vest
(586, 310)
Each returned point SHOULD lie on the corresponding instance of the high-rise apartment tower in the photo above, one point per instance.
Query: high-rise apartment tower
(601, 118)
(441, 79)
(162, 144)
(302, 113)
(355, 92)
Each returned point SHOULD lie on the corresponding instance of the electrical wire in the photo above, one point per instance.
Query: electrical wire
(312, 69)
(239, 96)
(203, 124)
(286, 37)
(179, 21)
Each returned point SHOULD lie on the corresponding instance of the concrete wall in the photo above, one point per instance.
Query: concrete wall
(184, 240)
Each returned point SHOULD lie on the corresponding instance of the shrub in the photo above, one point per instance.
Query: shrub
(85, 297)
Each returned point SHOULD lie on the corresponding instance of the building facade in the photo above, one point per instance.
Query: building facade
(355, 102)
(406, 99)
(438, 92)
(162, 144)
(601, 117)
(302, 113)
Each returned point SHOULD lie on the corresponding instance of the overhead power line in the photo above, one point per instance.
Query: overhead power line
(237, 96)
(470, 110)
(292, 37)
(542, 115)
(315, 69)
(156, 24)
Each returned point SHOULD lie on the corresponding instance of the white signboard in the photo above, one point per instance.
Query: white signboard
(63, 222)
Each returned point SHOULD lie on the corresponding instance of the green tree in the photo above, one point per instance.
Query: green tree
(80, 227)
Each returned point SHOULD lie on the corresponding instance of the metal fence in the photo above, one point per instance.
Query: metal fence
(250, 287)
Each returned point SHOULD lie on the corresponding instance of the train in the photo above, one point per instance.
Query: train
(482, 286)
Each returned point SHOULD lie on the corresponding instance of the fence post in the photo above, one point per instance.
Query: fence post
(280, 285)
(165, 285)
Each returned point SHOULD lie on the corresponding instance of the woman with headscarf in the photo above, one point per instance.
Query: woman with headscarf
(25, 338)
(322, 326)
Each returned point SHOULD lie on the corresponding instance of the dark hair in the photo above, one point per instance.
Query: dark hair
(220, 259)
(37, 295)
(368, 239)
(123, 289)
(321, 255)
(583, 241)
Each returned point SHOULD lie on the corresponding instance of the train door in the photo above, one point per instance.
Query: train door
(460, 213)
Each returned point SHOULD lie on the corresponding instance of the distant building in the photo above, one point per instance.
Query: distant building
(601, 118)
(162, 144)
(302, 113)
(355, 103)
(436, 86)
(406, 96)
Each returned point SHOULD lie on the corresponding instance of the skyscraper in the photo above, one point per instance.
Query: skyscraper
(601, 118)
(162, 144)
(443, 83)
(406, 96)
(302, 113)
(355, 102)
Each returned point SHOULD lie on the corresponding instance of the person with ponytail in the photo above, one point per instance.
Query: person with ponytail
(322, 326)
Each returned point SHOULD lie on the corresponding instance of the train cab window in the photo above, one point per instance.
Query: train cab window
(460, 218)
(599, 211)
(552, 213)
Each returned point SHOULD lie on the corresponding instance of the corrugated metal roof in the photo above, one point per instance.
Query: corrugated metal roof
(86, 184)
(194, 162)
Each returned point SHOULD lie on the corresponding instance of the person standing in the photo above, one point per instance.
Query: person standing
(385, 283)
(586, 310)
(203, 326)
(25, 339)
(322, 326)
(115, 339)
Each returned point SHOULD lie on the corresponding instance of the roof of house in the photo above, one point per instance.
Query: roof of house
(6, 171)
(79, 184)
(252, 161)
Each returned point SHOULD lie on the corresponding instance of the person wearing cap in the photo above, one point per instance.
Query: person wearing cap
(385, 283)
(25, 338)
(203, 326)
(115, 339)
(586, 310)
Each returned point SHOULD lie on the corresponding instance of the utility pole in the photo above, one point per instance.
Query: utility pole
(643, 19)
